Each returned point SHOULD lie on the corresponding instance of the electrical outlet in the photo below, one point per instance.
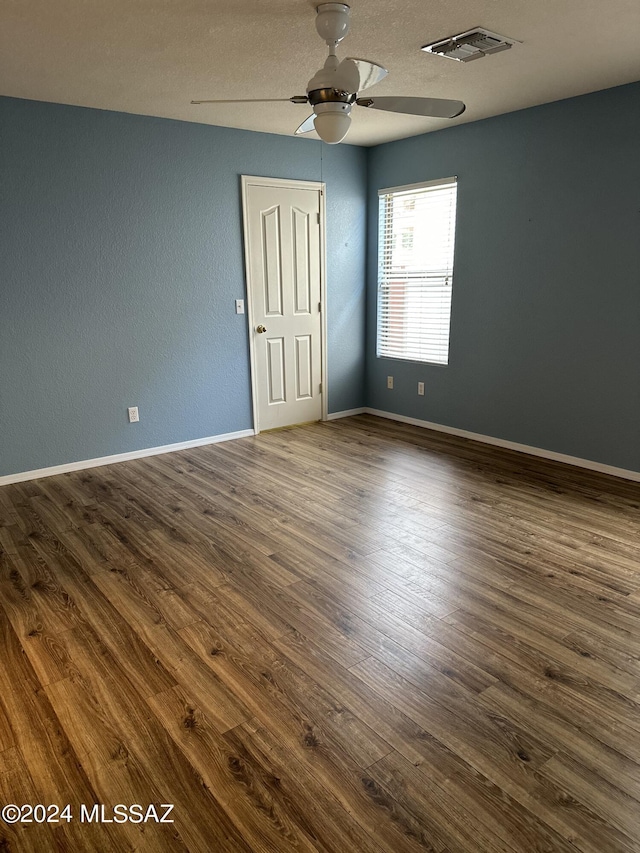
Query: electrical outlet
(421, 389)
(389, 381)
(239, 306)
(134, 416)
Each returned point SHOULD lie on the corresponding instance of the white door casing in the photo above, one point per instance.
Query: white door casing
(284, 256)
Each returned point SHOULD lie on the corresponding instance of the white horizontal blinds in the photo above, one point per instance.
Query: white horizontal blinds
(415, 275)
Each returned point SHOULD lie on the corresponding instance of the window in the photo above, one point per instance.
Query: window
(415, 270)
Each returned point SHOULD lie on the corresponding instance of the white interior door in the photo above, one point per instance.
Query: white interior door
(283, 248)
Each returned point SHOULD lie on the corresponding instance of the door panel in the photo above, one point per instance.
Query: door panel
(276, 371)
(301, 268)
(271, 242)
(282, 234)
(304, 367)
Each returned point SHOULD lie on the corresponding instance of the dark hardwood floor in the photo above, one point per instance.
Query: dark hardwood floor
(352, 636)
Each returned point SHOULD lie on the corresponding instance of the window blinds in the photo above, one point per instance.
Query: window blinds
(415, 270)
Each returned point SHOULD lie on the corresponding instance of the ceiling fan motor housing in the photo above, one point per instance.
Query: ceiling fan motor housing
(336, 98)
(334, 82)
(332, 107)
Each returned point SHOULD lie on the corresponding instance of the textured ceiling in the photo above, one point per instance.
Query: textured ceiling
(153, 56)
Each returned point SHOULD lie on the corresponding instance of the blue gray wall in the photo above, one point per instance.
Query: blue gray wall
(120, 259)
(545, 334)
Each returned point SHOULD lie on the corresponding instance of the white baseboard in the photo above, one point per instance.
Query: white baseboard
(121, 457)
(346, 414)
(512, 445)
(229, 436)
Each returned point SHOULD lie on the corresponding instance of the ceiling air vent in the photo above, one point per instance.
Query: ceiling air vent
(470, 45)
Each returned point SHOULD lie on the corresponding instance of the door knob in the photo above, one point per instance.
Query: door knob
(261, 329)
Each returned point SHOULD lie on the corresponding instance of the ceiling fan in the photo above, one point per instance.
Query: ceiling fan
(333, 91)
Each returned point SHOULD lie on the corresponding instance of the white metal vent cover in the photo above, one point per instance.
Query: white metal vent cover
(470, 45)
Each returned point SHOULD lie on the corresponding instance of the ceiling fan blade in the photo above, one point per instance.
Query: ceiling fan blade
(307, 125)
(297, 99)
(369, 73)
(431, 107)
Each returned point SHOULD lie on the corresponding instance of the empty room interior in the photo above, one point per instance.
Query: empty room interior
(319, 426)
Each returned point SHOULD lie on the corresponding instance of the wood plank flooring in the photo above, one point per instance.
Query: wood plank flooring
(351, 636)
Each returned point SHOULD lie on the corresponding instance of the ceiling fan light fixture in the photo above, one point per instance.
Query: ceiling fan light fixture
(332, 122)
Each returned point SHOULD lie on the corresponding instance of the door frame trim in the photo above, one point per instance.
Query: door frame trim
(286, 183)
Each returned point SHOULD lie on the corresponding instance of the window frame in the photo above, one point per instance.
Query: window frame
(383, 243)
